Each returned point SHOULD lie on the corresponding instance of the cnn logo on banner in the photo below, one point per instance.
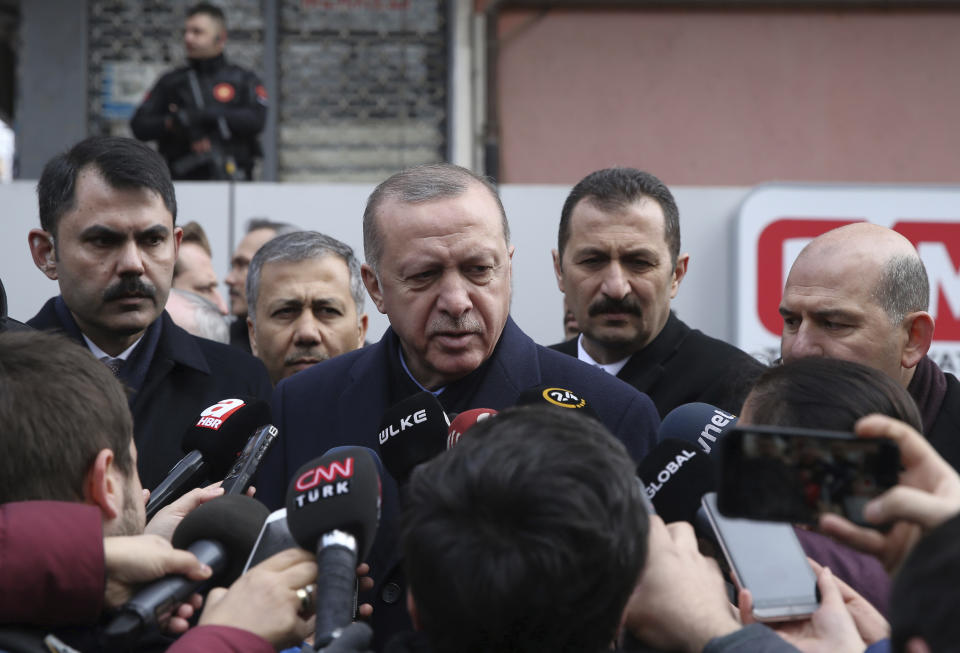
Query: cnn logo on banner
(938, 244)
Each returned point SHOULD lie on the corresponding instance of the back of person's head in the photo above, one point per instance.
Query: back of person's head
(926, 592)
(59, 406)
(124, 163)
(197, 315)
(529, 535)
(826, 393)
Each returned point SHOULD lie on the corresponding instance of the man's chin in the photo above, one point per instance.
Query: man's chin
(131, 322)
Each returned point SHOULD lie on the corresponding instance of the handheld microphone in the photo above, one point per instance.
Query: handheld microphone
(465, 421)
(213, 444)
(220, 533)
(275, 535)
(412, 432)
(333, 507)
(676, 474)
(550, 395)
(697, 423)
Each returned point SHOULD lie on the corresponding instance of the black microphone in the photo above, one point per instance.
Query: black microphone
(551, 395)
(333, 507)
(220, 533)
(676, 474)
(275, 535)
(212, 445)
(412, 432)
(698, 423)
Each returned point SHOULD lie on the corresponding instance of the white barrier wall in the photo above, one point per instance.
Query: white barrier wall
(707, 217)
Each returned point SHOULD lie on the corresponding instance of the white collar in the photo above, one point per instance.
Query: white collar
(613, 368)
(100, 354)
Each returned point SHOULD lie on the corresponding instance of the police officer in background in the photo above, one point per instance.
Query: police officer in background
(206, 115)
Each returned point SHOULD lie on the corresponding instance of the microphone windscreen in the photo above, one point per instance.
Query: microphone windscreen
(698, 423)
(550, 395)
(338, 491)
(232, 520)
(222, 431)
(676, 474)
(465, 421)
(412, 432)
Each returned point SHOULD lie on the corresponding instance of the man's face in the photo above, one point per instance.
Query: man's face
(133, 513)
(618, 276)
(237, 278)
(197, 275)
(828, 310)
(304, 314)
(115, 254)
(203, 37)
(444, 282)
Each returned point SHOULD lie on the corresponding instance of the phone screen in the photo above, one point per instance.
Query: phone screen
(767, 559)
(794, 475)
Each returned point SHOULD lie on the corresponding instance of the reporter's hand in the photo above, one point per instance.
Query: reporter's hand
(831, 629)
(871, 625)
(364, 584)
(680, 602)
(928, 494)
(132, 560)
(165, 522)
(264, 600)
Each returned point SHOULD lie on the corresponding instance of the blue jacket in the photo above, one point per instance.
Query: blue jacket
(342, 401)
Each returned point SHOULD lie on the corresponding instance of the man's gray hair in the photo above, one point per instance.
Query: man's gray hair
(903, 287)
(424, 183)
(301, 246)
(208, 322)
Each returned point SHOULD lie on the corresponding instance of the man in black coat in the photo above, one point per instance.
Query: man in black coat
(109, 238)
(205, 116)
(618, 264)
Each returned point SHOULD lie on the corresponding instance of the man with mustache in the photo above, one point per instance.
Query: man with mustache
(438, 264)
(618, 264)
(304, 302)
(109, 238)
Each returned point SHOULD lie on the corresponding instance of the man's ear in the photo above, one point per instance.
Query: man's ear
(679, 271)
(251, 333)
(412, 610)
(177, 237)
(43, 252)
(558, 269)
(373, 286)
(362, 329)
(102, 486)
(919, 335)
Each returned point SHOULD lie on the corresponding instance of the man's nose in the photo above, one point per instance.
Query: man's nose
(806, 342)
(307, 330)
(615, 283)
(454, 296)
(130, 261)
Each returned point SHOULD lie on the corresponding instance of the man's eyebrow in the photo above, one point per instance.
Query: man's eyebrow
(828, 314)
(100, 231)
(332, 302)
(155, 230)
